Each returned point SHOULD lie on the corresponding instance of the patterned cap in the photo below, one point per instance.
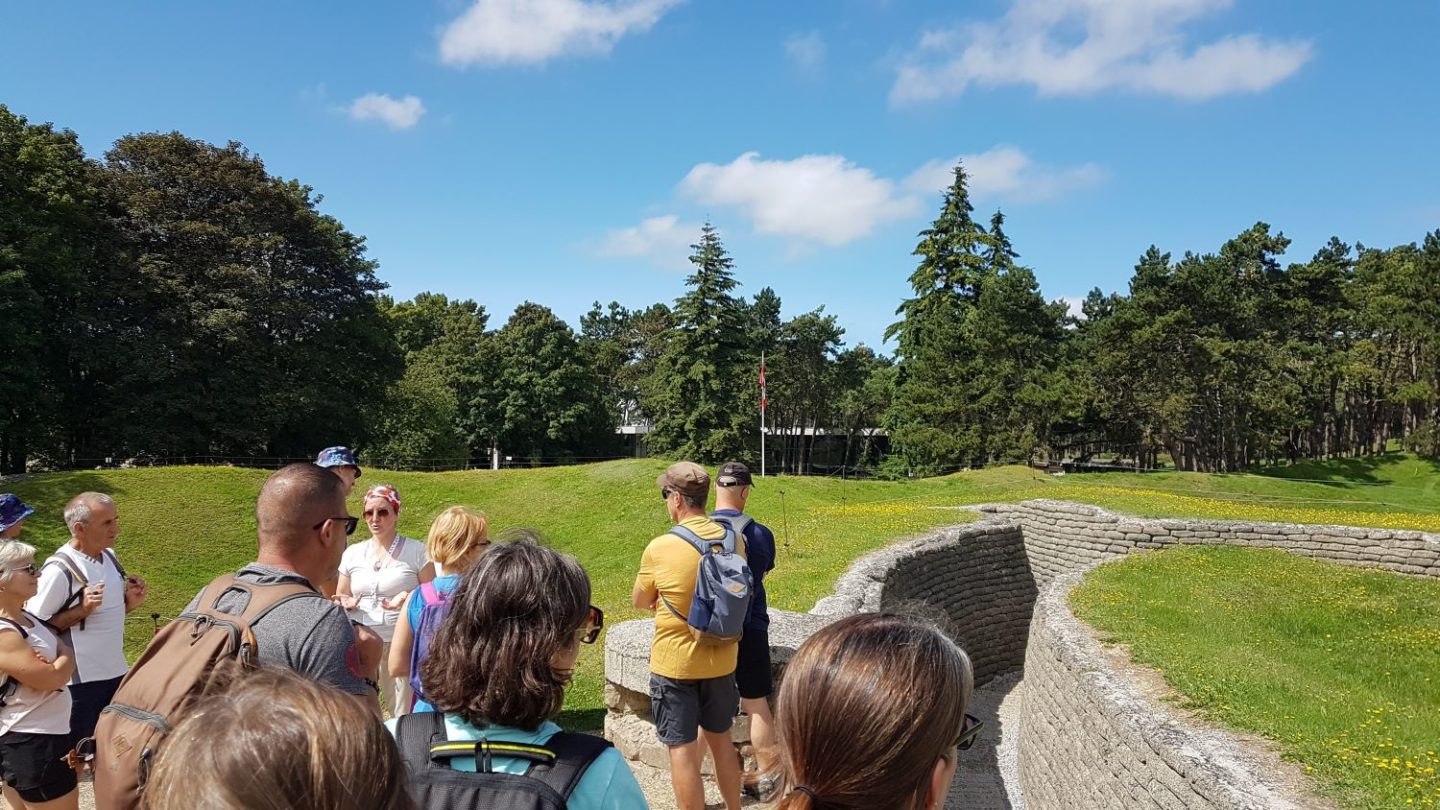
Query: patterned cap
(338, 457)
(387, 492)
(13, 510)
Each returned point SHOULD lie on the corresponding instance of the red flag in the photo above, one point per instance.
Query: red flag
(762, 385)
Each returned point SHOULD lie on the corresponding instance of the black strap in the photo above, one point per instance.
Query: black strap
(418, 732)
(72, 574)
(573, 755)
(19, 628)
(110, 552)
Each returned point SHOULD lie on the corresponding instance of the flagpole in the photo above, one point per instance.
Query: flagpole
(762, 414)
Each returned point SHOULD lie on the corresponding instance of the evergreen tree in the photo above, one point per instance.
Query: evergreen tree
(1001, 254)
(931, 425)
(698, 395)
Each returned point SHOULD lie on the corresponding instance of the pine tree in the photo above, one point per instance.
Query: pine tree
(929, 422)
(696, 396)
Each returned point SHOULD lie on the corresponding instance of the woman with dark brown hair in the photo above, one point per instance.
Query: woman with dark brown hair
(496, 673)
(277, 741)
(870, 714)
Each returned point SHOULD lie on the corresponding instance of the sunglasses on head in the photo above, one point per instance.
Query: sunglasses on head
(369, 513)
(350, 523)
(594, 623)
(969, 730)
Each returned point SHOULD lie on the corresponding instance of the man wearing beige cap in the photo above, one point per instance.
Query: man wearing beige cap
(692, 686)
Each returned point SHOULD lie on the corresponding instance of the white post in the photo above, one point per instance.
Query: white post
(762, 416)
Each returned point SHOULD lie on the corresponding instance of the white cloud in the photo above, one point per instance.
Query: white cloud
(815, 198)
(826, 200)
(1007, 174)
(397, 114)
(1078, 47)
(500, 32)
(806, 51)
(663, 240)
(1075, 303)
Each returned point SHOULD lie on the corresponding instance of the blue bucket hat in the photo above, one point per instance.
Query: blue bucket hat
(13, 510)
(338, 457)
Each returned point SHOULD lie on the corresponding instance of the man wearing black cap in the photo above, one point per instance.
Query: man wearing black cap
(752, 668)
(692, 685)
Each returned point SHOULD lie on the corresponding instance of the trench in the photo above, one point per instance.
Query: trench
(1072, 733)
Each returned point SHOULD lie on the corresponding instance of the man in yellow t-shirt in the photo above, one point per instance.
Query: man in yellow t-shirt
(692, 687)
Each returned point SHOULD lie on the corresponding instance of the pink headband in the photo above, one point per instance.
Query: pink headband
(384, 491)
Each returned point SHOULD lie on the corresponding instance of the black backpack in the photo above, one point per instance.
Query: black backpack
(555, 767)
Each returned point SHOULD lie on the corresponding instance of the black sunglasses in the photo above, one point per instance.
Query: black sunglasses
(665, 494)
(594, 623)
(350, 523)
(969, 730)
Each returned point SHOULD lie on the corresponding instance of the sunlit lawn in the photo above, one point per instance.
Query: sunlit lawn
(1340, 665)
(182, 526)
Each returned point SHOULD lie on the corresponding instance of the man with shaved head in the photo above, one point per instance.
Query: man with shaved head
(302, 528)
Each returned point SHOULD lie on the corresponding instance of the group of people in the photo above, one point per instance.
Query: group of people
(470, 645)
(62, 644)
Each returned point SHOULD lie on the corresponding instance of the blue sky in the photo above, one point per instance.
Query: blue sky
(564, 151)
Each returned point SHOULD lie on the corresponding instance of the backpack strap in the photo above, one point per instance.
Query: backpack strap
(701, 544)
(115, 561)
(739, 523)
(72, 576)
(414, 734)
(261, 599)
(16, 626)
(430, 594)
(573, 755)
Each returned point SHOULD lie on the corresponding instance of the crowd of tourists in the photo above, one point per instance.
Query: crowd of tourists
(271, 688)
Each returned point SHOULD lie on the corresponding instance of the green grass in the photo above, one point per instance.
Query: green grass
(180, 526)
(1339, 665)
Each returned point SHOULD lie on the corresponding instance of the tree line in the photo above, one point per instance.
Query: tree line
(173, 298)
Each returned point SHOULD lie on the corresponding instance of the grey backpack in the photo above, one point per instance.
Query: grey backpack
(723, 586)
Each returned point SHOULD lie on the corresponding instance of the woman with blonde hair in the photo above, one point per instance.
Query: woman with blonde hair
(34, 701)
(871, 714)
(275, 740)
(457, 539)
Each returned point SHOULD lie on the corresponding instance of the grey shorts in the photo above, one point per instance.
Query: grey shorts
(682, 706)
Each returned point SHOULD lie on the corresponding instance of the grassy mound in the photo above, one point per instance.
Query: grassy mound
(180, 526)
(1339, 665)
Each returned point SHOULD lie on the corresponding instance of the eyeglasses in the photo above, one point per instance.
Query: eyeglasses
(350, 523)
(29, 569)
(594, 623)
(665, 494)
(369, 513)
(969, 730)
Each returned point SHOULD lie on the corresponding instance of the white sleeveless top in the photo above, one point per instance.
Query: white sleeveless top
(28, 710)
